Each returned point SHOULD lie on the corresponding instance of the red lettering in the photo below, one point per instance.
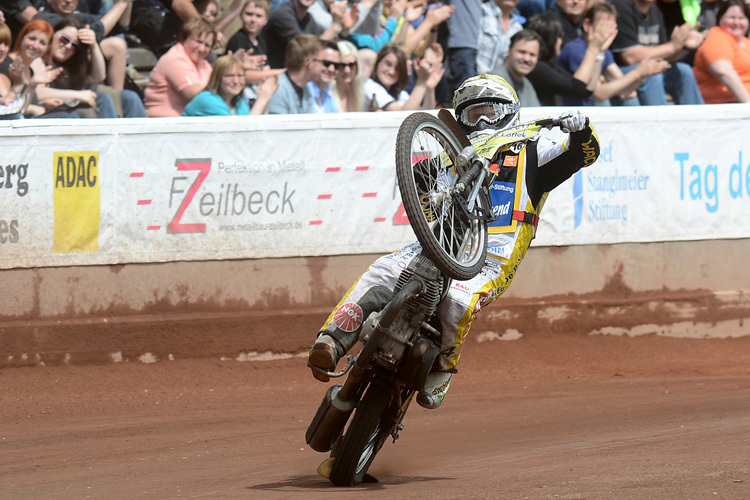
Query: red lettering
(177, 226)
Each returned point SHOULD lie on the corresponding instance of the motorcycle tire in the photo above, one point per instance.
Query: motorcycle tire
(426, 151)
(363, 439)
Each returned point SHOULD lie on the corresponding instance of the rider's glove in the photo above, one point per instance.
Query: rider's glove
(573, 122)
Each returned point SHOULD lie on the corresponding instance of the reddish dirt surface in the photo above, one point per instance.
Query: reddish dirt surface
(568, 416)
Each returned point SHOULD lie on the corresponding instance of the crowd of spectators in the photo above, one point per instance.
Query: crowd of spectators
(69, 58)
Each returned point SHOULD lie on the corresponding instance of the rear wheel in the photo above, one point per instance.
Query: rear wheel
(426, 151)
(363, 439)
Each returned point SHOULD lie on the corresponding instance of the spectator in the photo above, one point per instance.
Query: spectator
(385, 90)
(158, 23)
(75, 49)
(6, 40)
(722, 63)
(16, 13)
(221, 22)
(553, 83)
(32, 43)
(348, 92)
(321, 88)
(463, 38)
(15, 104)
(707, 17)
(427, 20)
(498, 24)
(321, 12)
(570, 14)
(302, 65)
(288, 21)
(529, 8)
(223, 94)
(182, 72)
(640, 35)
(614, 85)
(115, 21)
(523, 54)
(18, 81)
(254, 16)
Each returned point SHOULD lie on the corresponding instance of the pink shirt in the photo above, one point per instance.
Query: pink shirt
(173, 72)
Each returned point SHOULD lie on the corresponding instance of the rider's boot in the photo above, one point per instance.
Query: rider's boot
(323, 354)
(435, 387)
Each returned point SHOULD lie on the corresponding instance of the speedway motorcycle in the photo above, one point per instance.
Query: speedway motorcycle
(444, 183)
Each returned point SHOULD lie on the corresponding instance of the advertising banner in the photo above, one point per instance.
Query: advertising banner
(91, 192)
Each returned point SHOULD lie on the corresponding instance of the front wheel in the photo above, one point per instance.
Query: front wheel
(455, 241)
(363, 439)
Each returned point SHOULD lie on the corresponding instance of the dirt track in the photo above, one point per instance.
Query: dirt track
(547, 417)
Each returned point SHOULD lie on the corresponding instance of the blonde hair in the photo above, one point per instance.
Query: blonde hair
(356, 101)
(221, 68)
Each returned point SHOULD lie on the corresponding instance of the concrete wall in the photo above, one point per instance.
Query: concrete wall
(255, 308)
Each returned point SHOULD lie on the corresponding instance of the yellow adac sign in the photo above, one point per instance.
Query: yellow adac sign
(77, 201)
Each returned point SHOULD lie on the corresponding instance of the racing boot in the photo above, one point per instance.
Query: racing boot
(323, 354)
(435, 387)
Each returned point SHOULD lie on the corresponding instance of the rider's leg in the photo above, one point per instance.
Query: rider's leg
(370, 293)
(456, 312)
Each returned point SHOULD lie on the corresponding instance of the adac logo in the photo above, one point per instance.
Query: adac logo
(577, 199)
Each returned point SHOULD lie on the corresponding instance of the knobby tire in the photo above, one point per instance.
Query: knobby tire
(363, 439)
(457, 247)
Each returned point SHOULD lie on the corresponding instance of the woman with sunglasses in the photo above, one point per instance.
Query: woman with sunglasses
(386, 89)
(76, 51)
(31, 47)
(223, 94)
(348, 90)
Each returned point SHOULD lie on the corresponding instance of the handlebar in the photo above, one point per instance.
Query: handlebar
(548, 122)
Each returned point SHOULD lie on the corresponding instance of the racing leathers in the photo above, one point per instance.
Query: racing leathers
(529, 168)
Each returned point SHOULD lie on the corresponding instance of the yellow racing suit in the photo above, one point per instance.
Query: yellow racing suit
(529, 168)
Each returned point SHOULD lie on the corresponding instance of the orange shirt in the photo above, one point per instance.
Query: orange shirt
(173, 72)
(721, 45)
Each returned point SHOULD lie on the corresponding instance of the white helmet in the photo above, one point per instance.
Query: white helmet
(486, 101)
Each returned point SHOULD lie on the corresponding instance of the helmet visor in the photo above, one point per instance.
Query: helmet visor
(490, 113)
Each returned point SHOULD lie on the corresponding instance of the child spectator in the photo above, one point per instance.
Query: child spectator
(254, 16)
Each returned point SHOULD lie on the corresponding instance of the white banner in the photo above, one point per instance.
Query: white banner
(85, 192)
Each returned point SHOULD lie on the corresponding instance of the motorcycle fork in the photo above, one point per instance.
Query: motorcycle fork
(404, 405)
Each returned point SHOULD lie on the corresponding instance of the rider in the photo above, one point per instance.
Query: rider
(529, 170)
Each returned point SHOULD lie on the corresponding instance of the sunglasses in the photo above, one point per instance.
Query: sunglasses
(65, 40)
(349, 65)
(327, 63)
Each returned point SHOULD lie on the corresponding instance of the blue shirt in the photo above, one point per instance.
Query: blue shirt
(323, 98)
(570, 59)
(209, 104)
